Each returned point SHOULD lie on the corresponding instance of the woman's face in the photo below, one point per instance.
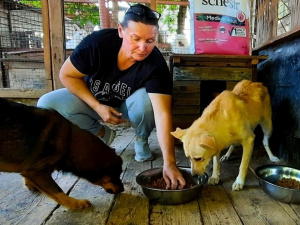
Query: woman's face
(138, 39)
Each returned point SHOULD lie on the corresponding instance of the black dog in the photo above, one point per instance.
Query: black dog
(34, 142)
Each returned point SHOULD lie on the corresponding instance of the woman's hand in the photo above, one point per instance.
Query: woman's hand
(109, 114)
(173, 177)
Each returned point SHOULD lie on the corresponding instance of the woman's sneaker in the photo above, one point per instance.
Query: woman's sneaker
(109, 135)
(142, 150)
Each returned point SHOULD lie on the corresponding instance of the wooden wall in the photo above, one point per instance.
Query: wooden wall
(31, 48)
(281, 73)
(274, 20)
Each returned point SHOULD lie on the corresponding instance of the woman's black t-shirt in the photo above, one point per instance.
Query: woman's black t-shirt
(96, 56)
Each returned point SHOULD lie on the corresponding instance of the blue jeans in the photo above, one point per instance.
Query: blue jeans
(137, 108)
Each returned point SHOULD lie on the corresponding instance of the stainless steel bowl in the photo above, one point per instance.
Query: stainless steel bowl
(170, 197)
(268, 175)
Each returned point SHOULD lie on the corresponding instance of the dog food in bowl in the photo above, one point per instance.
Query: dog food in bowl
(160, 183)
(288, 183)
(153, 177)
(270, 176)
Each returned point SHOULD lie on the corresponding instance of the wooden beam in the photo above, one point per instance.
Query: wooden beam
(104, 15)
(57, 38)
(153, 4)
(47, 47)
(114, 15)
(184, 3)
(161, 2)
(283, 38)
(82, 1)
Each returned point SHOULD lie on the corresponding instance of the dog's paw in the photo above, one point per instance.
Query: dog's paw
(224, 158)
(237, 185)
(79, 204)
(274, 159)
(31, 186)
(213, 180)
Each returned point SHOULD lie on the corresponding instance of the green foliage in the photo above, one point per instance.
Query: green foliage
(168, 18)
(83, 13)
(36, 4)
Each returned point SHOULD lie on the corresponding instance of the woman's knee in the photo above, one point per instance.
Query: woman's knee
(46, 101)
(140, 109)
(60, 100)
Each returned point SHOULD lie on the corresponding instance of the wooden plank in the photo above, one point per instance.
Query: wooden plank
(206, 73)
(228, 60)
(18, 205)
(214, 63)
(47, 45)
(183, 3)
(186, 99)
(255, 207)
(57, 36)
(187, 109)
(1, 76)
(187, 213)
(101, 205)
(23, 65)
(296, 210)
(216, 207)
(260, 158)
(125, 135)
(131, 206)
(252, 204)
(186, 86)
(22, 93)
(184, 120)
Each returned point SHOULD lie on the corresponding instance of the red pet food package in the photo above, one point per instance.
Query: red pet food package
(220, 27)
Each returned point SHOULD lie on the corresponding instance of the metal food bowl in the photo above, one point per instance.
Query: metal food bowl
(170, 197)
(268, 175)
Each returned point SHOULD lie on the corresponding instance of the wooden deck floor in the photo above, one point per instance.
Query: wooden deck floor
(215, 204)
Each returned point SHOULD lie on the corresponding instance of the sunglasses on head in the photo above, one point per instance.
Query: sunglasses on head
(139, 9)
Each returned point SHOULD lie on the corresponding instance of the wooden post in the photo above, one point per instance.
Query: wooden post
(104, 15)
(114, 17)
(47, 48)
(153, 4)
(57, 39)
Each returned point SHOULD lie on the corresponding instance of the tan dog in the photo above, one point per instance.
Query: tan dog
(229, 120)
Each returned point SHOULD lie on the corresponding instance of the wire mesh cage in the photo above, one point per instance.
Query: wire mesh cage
(21, 35)
(21, 45)
(82, 18)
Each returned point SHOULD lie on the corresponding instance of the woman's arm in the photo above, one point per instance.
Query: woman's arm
(73, 80)
(161, 104)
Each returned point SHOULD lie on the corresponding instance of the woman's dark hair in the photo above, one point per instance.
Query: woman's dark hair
(141, 13)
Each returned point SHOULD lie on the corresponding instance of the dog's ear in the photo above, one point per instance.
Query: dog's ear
(179, 133)
(207, 141)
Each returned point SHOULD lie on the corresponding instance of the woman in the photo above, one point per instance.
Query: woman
(116, 75)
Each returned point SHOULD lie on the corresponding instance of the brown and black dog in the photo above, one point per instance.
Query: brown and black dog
(34, 142)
